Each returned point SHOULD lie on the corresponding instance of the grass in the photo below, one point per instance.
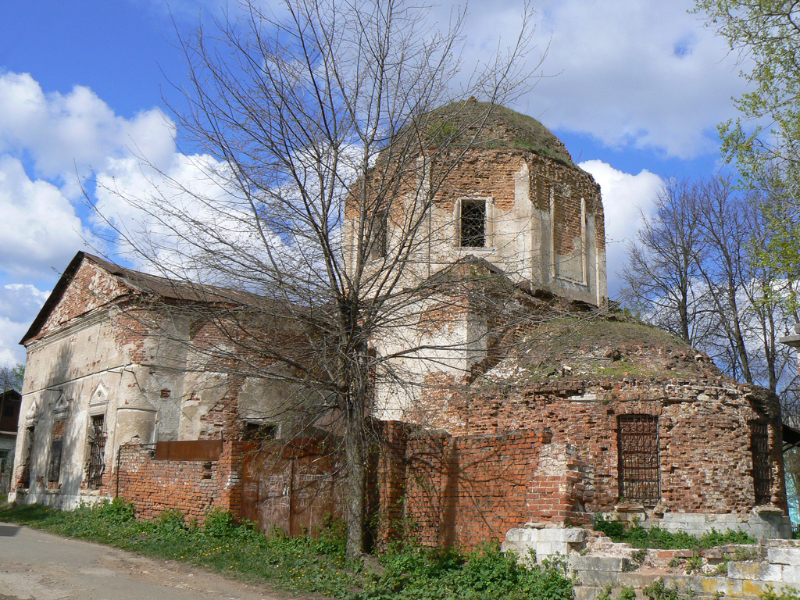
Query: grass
(304, 564)
(655, 537)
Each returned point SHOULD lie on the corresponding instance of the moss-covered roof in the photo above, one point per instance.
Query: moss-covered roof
(605, 348)
(496, 127)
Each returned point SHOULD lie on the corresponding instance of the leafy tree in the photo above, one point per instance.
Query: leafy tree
(764, 141)
(11, 377)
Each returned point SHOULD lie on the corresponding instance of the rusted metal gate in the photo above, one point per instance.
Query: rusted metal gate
(762, 474)
(638, 459)
(294, 487)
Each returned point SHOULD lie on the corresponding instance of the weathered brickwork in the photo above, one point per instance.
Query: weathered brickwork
(91, 287)
(463, 491)
(190, 486)
(704, 448)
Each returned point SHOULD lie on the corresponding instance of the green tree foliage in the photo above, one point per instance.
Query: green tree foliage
(764, 141)
(11, 377)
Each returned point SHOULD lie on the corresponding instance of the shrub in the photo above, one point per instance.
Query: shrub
(484, 574)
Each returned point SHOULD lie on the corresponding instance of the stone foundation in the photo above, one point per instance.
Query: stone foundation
(734, 571)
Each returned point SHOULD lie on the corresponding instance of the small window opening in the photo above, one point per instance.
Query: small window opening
(473, 223)
(639, 478)
(207, 470)
(256, 432)
(25, 477)
(56, 446)
(379, 245)
(97, 449)
(762, 475)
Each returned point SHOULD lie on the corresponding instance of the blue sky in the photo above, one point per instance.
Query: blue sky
(634, 88)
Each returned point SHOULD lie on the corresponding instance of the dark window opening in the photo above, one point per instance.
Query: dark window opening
(762, 475)
(97, 450)
(379, 245)
(256, 432)
(25, 477)
(473, 223)
(639, 478)
(54, 472)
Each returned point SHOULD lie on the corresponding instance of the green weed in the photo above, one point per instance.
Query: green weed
(305, 564)
(655, 537)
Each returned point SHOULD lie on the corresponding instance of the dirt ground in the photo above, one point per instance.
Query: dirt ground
(39, 566)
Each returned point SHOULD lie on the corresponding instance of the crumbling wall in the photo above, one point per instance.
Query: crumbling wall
(705, 455)
(463, 491)
(191, 486)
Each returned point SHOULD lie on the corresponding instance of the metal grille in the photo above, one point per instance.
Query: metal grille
(25, 478)
(97, 451)
(762, 477)
(379, 244)
(54, 472)
(638, 459)
(473, 223)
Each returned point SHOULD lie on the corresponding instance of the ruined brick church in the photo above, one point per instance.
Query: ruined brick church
(587, 413)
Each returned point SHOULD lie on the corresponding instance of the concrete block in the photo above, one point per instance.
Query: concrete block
(598, 579)
(599, 563)
(585, 592)
(784, 556)
(569, 535)
(755, 570)
(791, 575)
(521, 535)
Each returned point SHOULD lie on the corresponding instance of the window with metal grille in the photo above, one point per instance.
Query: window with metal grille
(473, 223)
(25, 477)
(762, 475)
(639, 478)
(56, 445)
(97, 450)
(379, 245)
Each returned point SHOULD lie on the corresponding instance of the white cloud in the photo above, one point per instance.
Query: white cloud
(61, 133)
(19, 305)
(41, 229)
(625, 198)
(642, 74)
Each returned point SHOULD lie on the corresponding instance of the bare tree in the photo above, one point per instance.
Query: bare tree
(697, 272)
(322, 157)
(662, 268)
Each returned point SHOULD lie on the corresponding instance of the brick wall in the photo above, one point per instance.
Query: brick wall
(192, 487)
(705, 456)
(462, 491)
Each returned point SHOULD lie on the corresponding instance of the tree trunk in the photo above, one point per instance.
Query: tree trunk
(356, 475)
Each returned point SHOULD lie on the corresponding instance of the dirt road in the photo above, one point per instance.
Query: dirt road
(40, 566)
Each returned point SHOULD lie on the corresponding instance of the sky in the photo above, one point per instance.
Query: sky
(634, 88)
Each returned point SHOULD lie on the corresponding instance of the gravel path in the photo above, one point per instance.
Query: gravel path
(40, 566)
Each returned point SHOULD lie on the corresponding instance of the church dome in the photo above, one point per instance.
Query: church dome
(498, 127)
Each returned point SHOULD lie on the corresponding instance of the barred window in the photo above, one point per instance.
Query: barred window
(762, 474)
(56, 446)
(25, 478)
(97, 449)
(379, 244)
(639, 477)
(473, 223)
